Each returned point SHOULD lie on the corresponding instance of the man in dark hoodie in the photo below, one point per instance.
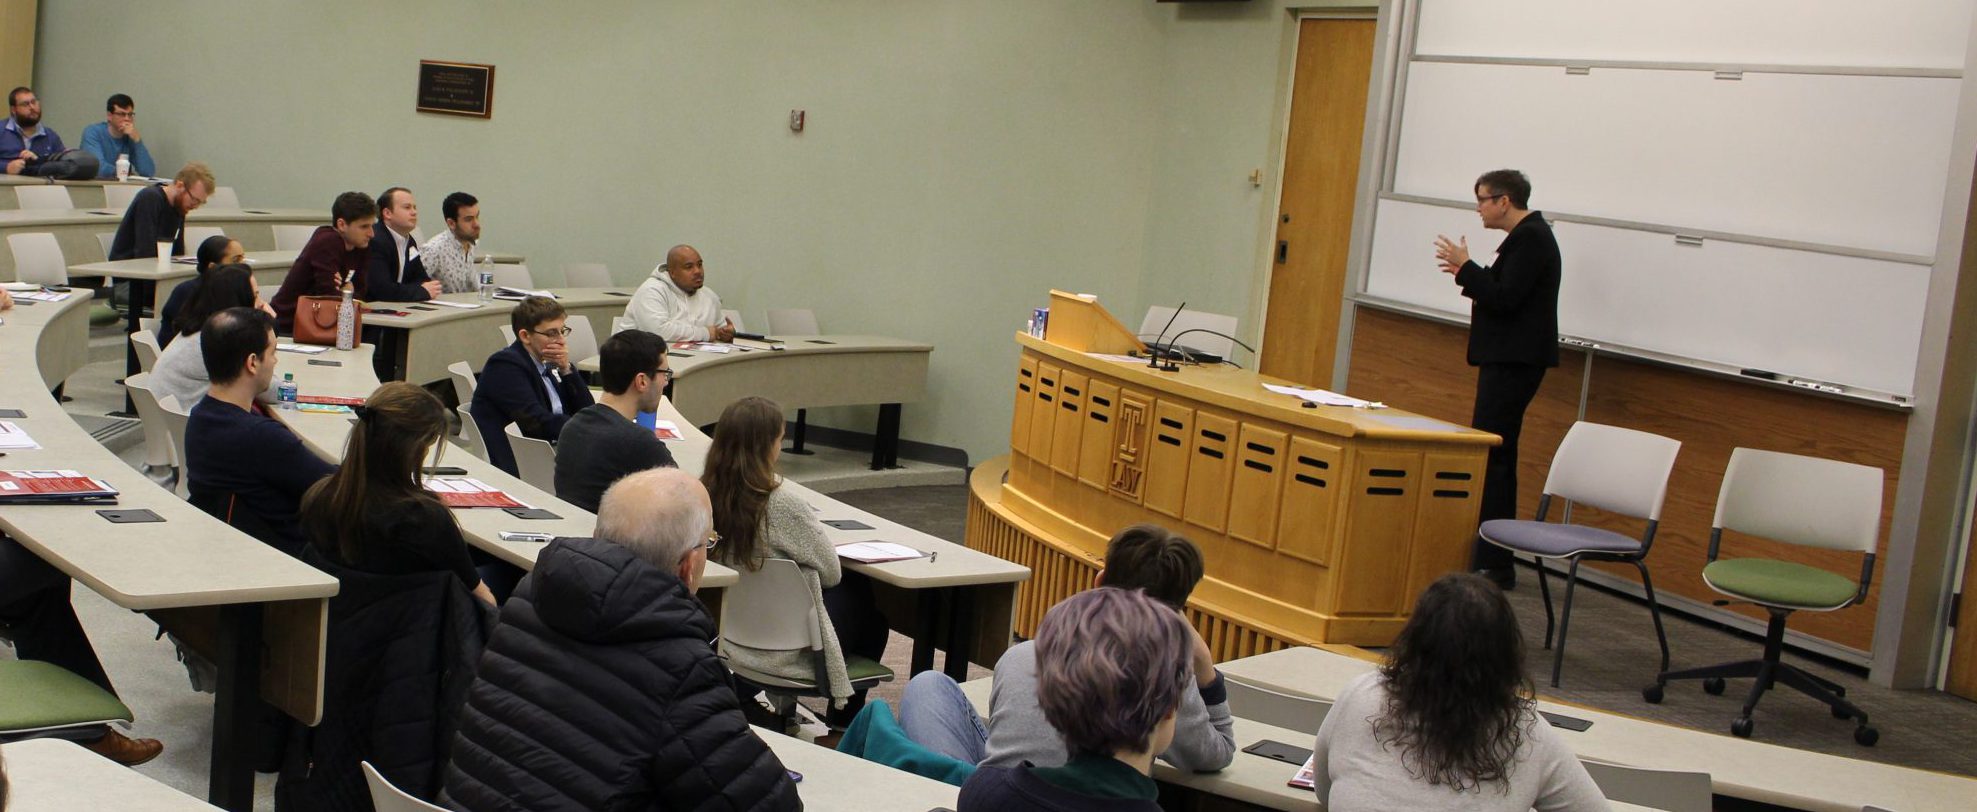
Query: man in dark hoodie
(601, 680)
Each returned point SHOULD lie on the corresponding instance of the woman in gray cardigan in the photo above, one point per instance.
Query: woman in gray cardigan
(180, 370)
(758, 519)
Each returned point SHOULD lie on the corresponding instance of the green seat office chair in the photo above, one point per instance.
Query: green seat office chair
(770, 610)
(1798, 500)
(39, 699)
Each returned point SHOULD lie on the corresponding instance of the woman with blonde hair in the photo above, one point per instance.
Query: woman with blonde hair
(757, 520)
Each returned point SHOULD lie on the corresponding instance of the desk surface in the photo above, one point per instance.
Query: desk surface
(147, 268)
(833, 781)
(53, 775)
(684, 362)
(18, 218)
(1738, 768)
(326, 434)
(137, 566)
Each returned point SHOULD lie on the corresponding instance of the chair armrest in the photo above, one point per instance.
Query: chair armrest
(1866, 575)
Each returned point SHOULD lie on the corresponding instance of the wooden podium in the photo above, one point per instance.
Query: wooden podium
(1318, 525)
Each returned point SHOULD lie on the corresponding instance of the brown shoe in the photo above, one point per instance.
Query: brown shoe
(125, 750)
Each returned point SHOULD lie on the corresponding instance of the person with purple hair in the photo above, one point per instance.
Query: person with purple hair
(1112, 667)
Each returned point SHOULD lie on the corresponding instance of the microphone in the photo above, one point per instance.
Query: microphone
(1176, 343)
(1153, 358)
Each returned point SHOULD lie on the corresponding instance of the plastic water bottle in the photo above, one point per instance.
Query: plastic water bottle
(346, 321)
(123, 166)
(285, 391)
(487, 279)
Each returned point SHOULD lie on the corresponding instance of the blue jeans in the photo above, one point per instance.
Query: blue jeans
(934, 713)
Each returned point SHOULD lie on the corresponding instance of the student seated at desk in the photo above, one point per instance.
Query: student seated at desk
(244, 467)
(336, 254)
(213, 252)
(1112, 668)
(396, 273)
(599, 689)
(676, 303)
(181, 368)
(758, 520)
(1144, 557)
(373, 514)
(602, 443)
(1449, 721)
(157, 214)
(531, 383)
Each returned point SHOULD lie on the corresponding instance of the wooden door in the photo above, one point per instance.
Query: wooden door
(1314, 217)
(1963, 647)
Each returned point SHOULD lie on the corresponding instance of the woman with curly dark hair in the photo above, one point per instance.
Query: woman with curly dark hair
(1449, 721)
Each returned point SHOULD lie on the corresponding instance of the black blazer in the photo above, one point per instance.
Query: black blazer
(1513, 318)
(510, 391)
(383, 272)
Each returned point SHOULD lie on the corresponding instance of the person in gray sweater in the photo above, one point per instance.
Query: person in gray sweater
(180, 370)
(1449, 721)
(1163, 564)
(603, 442)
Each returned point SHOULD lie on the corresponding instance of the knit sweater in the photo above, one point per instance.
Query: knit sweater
(790, 529)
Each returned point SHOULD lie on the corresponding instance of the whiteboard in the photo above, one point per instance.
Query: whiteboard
(1840, 319)
(1883, 33)
(1852, 161)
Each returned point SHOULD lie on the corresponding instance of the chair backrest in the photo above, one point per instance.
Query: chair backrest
(1801, 500)
(38, 258)
(1157, 317)
(117, 196)
(224, 197)
(387, 798)
(105, 238)
(145, 341)
(793, 322)
(463, 381)
(470, 433)
(587, 275)
(289, 237)
(735, 317)
(582, 339)
(194, 235)
(535, 460)
(1671, 790)
(1300, 713)
(512, 276)
(770, 609)
(1611, 468)
(175, 419)
(158, 449)
(44, 197)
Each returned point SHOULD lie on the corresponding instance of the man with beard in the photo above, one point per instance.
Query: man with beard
(157, 214)
(676, 303)
(23, 141)
(449, 255)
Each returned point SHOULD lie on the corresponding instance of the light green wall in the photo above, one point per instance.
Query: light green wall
(960, 157)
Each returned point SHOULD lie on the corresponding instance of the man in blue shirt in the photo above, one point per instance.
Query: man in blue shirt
(23, 141)
(117, 135)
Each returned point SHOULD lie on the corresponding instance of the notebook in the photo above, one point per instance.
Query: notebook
(63, 486)
(462, 492)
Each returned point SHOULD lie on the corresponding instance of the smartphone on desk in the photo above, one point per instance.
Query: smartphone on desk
(516, 535)
(444, 470)
(1287, 753)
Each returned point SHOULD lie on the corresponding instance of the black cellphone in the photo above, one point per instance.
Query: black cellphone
(325, 363)
(1287, 753)
(531, 513)
(137, 516)
(444, 470)
(847, 524)
(1572, 723)
(14, 413)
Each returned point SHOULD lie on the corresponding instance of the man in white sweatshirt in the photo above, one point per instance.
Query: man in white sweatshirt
(676, 304)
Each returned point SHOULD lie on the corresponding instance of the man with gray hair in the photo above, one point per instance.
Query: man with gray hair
(601, 678)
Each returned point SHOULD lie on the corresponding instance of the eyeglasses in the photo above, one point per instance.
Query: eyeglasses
(556, 333)
(712, 539)
(661, 373)
(1481, 199)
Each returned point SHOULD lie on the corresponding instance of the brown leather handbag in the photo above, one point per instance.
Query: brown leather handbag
(315, 319)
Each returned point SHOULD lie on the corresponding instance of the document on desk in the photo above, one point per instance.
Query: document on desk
(877, 552)
(52, 486)
(1323, 397)
(305, 349)
(666, 430)
(461, 305)
(44, 295)
(465, 492)
(519, 294)
(13, 436)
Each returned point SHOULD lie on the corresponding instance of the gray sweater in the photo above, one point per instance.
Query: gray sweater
(790, 530)
(181, 372)
(1355, 770)
(1204, 732)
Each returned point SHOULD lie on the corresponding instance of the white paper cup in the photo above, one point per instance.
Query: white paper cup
(164, 257)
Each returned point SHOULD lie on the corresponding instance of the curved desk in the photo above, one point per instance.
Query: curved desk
(253, 610)
(76, 229)
(809, 372)
(270, 267)
(83, 194)
(429, 337)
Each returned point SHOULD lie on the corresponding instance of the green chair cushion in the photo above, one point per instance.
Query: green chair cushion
(861, 669)
(1779, 583)
(35, 695)
(101, 316)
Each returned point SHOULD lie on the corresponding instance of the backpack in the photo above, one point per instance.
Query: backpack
(69, 164)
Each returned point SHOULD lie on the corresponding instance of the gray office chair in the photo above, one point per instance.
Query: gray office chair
(587, 275)
(1670, 790)
(44, 197)
(160, 457)
(1300, 713)
(512, 276)
(175, 420)
(38, 257)
(770, 610)
(104, 239)
(117, 196)
(1614, 469)
(194, 235)
(387, 798)
(145, 341)
(535, 459)
(39, 699)
(290, 237)
(470, 434)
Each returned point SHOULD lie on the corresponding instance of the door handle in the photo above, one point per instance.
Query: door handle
(1283, 251)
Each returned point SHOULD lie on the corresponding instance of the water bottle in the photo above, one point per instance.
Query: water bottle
(346, 321)
(123, 166)
(285, 391)
(487, 279)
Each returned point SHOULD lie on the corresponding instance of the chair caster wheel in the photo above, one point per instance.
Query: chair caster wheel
(1840, 713)
(1866, 736)
(1652, 694)
(1713, 686)
(1741, 727)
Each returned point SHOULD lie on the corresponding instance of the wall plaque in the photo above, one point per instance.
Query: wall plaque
(456, 88)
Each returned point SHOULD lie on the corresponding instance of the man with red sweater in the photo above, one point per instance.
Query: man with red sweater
(335, 254)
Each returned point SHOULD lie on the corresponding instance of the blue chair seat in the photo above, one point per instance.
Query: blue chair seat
(1551, 540)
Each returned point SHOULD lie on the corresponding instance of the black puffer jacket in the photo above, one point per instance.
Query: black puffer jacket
(600, 691)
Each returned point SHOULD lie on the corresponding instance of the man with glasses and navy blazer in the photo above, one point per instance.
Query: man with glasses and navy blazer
(531, 383)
